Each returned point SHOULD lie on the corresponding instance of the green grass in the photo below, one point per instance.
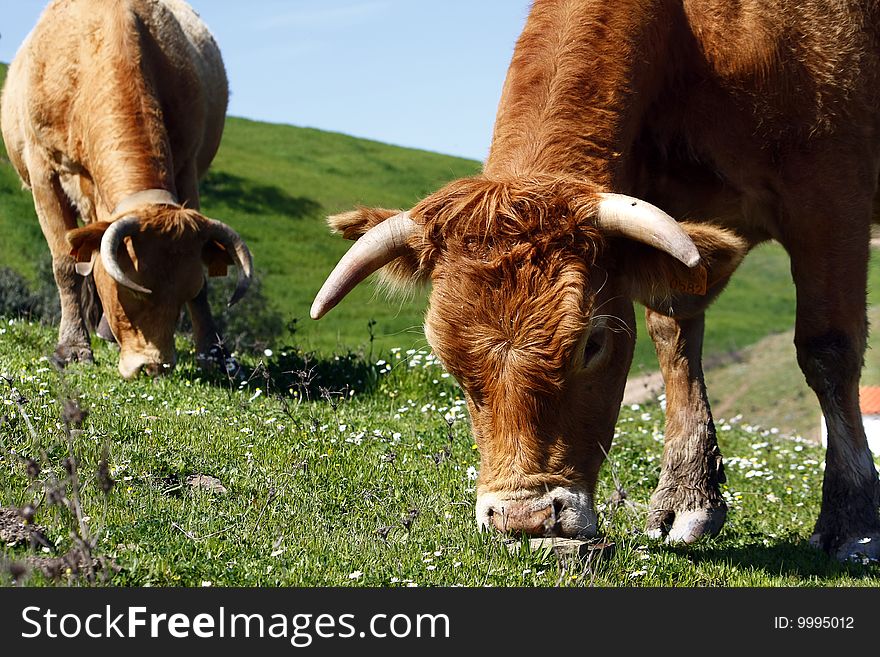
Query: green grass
(312, 485)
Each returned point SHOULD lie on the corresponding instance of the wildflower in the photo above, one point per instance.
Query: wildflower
(472, 473)
(356, 575)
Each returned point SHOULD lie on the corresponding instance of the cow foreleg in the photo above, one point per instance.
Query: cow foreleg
(56, 218)
(687, 503)
(830, 336)
(211, 352)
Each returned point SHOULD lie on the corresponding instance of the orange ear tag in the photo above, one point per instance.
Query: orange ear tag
(84, 267)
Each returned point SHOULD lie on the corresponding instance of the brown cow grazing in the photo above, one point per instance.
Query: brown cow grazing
(112, 110)
(749, 120)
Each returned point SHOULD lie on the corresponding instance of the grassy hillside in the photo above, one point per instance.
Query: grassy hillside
(186, 482)
(275, 184)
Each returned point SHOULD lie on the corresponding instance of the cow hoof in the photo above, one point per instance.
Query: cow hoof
(687, 526)
(861, 549)
(66, 353)
(691, 526)
(218, 359)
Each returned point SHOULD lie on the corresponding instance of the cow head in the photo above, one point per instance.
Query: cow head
(146, 265)
(531, 311)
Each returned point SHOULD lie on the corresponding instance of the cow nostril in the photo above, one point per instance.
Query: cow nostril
(553, 523)
(156, 369)
(558, 506)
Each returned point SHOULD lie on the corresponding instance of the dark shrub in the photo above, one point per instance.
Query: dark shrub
(250, 325)
(18, 299)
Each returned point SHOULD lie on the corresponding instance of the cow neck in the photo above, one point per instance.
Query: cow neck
(146, 197)
(567, 105)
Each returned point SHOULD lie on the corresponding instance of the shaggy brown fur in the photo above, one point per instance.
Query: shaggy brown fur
(750, 121)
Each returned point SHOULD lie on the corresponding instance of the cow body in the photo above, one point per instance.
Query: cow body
(746, 121)
(113, 110)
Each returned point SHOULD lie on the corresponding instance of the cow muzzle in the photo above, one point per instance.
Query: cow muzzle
(131, 365)
(563, 512)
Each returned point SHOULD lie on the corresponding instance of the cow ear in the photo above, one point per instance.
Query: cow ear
(399, 274)
(216, 258)
(669, 287)
(85, 243)
(353, 224)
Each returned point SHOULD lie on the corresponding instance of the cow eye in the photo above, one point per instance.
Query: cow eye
(592, 349)
(594, 346)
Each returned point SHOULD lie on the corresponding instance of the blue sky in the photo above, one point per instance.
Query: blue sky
(419, 73)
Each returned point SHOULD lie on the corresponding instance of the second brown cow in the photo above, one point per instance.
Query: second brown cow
(111, 112)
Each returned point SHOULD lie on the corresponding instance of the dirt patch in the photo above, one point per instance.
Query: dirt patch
(75, 564)
(15, 531)
(207, 483)
(643, 388)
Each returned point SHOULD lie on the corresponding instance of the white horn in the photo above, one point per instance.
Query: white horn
(375, 249)
(638, 220)
(110, 243)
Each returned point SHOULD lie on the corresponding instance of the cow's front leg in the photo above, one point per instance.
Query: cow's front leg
(56, 218)
(211, 352)
(687, 503)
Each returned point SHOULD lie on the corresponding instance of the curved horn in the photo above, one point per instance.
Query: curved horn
(638, 220)
(110, 243)
(375, 249)
(234, 245)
